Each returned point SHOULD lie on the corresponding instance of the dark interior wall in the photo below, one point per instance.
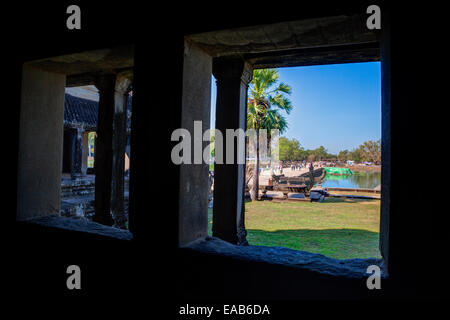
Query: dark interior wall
(112, 266)
(416, 225)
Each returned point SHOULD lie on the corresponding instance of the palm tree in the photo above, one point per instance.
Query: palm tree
(267, 97)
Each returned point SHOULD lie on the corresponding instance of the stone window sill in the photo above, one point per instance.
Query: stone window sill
(81, 225)
(349, 268)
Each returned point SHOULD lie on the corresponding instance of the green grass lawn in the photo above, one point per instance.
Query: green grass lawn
(338, 228)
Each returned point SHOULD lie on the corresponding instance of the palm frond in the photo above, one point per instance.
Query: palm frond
(266, 98)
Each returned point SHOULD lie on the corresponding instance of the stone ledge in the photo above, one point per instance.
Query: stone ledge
(348, 268)
(81, 225)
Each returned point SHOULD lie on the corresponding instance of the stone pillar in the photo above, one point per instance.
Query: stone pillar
(119, 143)
(194, 183)
(110, 150)
(103, 149)
(85, 152)
(233, 77)
(77, 154)
(40, 143)
(386, 132)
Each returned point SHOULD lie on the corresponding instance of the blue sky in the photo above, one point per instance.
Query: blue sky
(337, 106)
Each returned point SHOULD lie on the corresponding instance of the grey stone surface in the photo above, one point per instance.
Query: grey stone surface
(89, 62)
(286, 35)
(40, 143)
(80, 187)
(194, 181)
(103, 148)
(85, 153)
(119, 143)
(232, 78)
(82, 206)
(82, 225)
(349, 268)
(77, 154)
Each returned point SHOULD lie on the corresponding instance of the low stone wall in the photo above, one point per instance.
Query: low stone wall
(78, 198)
(82, 225)
(77, 207)
(83, 207)
(348, 268)
(73, 188)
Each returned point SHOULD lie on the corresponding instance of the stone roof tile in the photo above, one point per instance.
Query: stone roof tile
(84, 112)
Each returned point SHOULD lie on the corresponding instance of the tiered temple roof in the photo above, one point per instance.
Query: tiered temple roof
(82, 113)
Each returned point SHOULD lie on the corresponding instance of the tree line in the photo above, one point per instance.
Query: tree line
(267, 107)
(291, 150)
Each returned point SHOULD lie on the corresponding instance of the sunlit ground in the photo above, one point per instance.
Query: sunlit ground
(338, 228)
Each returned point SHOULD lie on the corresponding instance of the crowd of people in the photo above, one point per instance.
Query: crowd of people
(299, 165)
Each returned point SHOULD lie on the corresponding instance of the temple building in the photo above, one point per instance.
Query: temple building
(80, 132)
(80, 126)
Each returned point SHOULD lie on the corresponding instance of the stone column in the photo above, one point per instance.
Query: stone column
(194, 182)
(77, 154)
(85, 153)
(233, 77)
(40, 143)
(103, 149)
(110, 150)
(119, 143)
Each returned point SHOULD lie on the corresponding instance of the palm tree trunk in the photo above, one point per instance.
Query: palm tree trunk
(255, 186)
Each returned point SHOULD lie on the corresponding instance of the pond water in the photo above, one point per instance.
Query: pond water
(367, 180)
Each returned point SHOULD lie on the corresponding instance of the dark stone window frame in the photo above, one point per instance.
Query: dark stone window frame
(378, 50)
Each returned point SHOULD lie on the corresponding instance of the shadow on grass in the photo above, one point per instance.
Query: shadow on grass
(335, 243)
(327, 200)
